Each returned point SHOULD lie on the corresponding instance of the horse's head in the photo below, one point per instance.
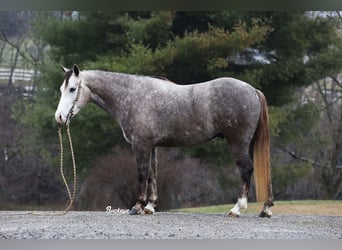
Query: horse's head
(74, 95)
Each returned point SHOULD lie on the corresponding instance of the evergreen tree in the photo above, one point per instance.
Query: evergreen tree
(274, 51)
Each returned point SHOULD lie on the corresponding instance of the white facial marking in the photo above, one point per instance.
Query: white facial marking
(73, 97)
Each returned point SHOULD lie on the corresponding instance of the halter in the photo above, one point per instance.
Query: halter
(71, 110)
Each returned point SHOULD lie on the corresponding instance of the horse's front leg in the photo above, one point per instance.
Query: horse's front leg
(143, 156)
(152, 185)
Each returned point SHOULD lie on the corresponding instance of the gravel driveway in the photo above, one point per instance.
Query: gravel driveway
(167, 225)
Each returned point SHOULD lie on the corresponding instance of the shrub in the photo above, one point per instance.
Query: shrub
(182, 182)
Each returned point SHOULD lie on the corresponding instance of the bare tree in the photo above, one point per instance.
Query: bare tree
(321, 148)
(13, 32)
(15, 28)
(18, 161)
(330, 174)
(2, 48)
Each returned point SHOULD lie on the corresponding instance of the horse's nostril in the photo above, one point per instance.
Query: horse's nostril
(60, 118)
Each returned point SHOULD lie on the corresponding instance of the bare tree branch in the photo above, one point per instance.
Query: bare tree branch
(4, 38)
(305, 159)
(325, 100)
(336, 80)
(339, 15)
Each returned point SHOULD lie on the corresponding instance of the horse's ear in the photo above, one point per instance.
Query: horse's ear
(65, 69)
(76, 70)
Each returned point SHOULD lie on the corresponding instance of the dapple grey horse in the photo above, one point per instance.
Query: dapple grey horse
(154, 113)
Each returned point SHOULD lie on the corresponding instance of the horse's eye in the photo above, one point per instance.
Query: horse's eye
(72, 90)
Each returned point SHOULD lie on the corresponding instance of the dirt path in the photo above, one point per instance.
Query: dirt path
(167, 225)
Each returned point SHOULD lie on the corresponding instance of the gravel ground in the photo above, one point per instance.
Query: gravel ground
(167, 225)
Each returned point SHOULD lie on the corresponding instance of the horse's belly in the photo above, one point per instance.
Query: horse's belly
(186, 137)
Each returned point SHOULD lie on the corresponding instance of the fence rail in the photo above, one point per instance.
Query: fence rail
(25, 75)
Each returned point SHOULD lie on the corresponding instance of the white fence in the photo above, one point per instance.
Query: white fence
(25, 75)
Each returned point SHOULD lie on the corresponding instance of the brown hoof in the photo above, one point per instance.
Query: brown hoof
(264, 215)
(147, 211)
(233, 215)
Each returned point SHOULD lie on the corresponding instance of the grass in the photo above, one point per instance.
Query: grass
(300, 207)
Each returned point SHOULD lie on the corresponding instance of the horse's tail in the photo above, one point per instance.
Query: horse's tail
(261, 155)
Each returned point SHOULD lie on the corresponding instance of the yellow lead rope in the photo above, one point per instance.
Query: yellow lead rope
(71, 196)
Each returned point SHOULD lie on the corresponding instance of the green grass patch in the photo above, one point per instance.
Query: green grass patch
(254, 207)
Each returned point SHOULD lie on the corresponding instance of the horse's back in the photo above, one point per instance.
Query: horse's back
(216, 101)
(230, 95)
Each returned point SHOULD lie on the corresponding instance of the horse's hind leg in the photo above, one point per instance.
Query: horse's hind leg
(152, 185)
(244, 162)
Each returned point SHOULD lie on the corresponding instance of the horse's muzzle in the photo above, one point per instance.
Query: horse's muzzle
(62, 121)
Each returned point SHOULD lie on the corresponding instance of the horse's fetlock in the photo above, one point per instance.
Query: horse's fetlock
(269, 204)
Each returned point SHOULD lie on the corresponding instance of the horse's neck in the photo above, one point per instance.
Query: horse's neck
(108, 90)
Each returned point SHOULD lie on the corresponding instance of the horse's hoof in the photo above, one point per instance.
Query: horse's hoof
(149, 209)
(231, 214)
(263, 214)
(134, 211)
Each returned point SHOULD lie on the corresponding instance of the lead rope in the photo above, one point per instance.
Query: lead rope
(71, 196)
